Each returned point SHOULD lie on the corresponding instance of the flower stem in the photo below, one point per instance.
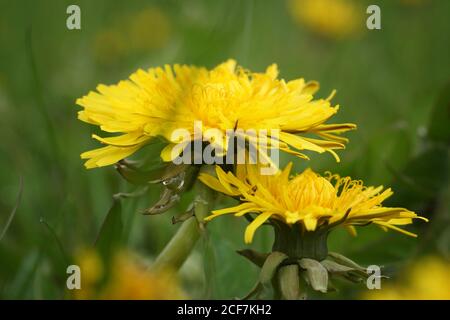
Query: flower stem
(183, 242)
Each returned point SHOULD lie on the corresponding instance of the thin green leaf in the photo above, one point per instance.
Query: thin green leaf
(110, 235)
(438, 127)
(56, 238)
(14, 210)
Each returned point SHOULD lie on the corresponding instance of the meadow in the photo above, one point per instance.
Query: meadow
(394, 83)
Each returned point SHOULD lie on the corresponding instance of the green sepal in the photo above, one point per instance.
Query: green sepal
(184, 216)
(270, 267)
(139, 176)
(336, 268)
(317, 275)
(166, 201)
(289, 282)
(342, 260)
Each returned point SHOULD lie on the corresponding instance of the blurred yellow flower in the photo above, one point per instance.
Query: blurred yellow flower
(126, 279)
(427, 279)
(148, 29)
(131, 281)
(92, 271)
(307, 200)
(109, 46)
(159, 101)
(330, 18)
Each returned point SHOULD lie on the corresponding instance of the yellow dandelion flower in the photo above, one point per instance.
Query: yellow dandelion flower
(329, 18)
(308, 200)
(427, 279)
(159, 101)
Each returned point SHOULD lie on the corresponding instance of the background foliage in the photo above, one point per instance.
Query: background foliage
(393, 83)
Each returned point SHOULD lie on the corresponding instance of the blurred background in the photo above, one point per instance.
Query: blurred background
(394, 83)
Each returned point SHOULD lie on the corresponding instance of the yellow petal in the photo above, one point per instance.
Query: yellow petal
(389, 226)
(224, 180)
(237, 209)
(107, 155)
(173, 150)
(214, 184)
(351, 230)
(337, 128)
(255, 224)
(311, 87)
(299, 143)
(310, 223)
(126, 140)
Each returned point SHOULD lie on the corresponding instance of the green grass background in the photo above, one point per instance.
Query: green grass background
(393, 83)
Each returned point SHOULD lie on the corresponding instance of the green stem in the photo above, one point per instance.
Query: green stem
(183, 242)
